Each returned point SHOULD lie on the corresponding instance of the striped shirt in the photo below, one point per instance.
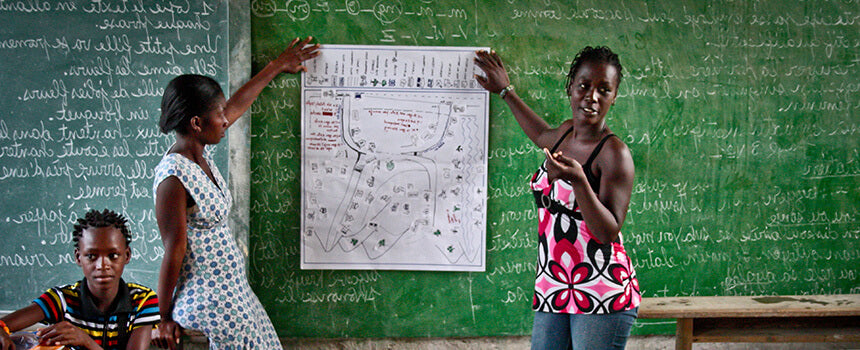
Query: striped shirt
(135, 306)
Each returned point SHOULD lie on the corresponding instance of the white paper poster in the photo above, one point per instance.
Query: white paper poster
(394, 159)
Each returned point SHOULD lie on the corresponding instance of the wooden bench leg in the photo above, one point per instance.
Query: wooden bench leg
(684, 334)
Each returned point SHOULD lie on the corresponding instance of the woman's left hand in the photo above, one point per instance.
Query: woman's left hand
(167, 335)
(559, 166)
(291, 59)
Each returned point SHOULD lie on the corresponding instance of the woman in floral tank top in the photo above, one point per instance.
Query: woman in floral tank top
(586, 293)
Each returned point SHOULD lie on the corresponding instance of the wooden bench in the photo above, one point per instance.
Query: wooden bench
(196, 337)
(191, 340)
(757, 319)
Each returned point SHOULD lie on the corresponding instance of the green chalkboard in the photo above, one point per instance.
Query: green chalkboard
(81, 95)
(742, 118)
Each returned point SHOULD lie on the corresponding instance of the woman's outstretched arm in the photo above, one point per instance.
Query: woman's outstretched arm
(289, 61)
(497, 80)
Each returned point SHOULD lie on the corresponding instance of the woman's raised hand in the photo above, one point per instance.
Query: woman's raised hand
(497, 77)
(291, 59)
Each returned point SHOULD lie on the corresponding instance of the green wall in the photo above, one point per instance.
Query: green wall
(742, 118)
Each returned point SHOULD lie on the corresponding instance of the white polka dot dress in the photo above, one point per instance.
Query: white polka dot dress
(213, 295)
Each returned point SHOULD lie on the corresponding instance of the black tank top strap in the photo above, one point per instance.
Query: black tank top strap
(586, 168)
(558, 143)
(597, 149)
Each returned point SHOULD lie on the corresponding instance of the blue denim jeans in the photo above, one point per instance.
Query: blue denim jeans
(582, 332)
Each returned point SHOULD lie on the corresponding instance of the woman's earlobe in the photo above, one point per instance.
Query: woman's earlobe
(195, 123)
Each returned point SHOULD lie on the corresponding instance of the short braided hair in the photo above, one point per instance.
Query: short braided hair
(600, 54)
(106, 218)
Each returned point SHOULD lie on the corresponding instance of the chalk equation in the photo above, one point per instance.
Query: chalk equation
(394, 159)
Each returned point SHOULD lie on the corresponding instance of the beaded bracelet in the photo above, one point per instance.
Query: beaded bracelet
(5, 328)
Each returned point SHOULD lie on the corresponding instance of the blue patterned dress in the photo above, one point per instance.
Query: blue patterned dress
(213, 295)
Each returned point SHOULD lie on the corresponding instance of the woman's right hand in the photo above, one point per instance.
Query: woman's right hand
(167, 335)
(497, 77)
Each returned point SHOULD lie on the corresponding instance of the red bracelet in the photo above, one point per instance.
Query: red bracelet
(5, 328)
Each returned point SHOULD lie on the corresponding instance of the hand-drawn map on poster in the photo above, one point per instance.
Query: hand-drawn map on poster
(394, 159)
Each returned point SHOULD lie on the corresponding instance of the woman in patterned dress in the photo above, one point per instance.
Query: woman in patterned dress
(586, 293)
(202, 282)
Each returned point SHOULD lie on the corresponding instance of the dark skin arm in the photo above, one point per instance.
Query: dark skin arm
(605, 213)
(65, 333)
(289, 61)
(172, 199)
(62, 333)
(140, 338)
(170, 212)
(19, 320)
(537, 129)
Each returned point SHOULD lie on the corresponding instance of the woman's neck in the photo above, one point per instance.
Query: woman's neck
(190, 148)
(589, 132)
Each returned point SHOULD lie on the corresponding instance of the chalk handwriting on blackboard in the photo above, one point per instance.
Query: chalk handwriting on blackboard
(85, 79)
(744, 139)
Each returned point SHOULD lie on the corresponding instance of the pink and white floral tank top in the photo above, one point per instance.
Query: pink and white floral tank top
(577, 274)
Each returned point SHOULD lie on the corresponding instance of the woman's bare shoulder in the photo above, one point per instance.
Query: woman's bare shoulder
(550, 136)
(615, 157)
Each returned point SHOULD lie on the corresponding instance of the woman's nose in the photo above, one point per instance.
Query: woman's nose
(592, 94)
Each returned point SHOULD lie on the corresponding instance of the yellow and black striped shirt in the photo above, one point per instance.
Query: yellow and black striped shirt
(135, 306)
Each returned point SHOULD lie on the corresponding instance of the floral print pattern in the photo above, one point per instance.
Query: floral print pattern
(576, 274)
(213, 294)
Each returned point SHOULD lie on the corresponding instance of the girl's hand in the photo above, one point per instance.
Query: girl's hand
(167, 335)
(6, 341)
(497, 77)
(291, 59)
(560, 167)
(65, 333)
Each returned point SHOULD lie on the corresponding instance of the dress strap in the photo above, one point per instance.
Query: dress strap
(593, 181)
(597, 150)
(558, 143)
